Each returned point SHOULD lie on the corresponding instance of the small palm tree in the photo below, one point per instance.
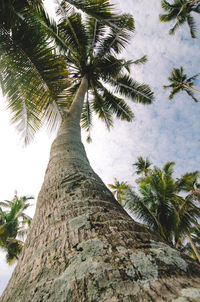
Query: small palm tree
(180, 82)
(180, 11)
(143, 166)
(119, 189)
(14, 223)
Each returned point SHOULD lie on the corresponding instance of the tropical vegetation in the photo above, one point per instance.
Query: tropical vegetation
(180, 82)
(181, 11)
(168, 206)
(142, 166)
(118, 189)
(14, 224)
(81, 241)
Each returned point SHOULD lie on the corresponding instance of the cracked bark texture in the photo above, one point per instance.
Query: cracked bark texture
(84, 247)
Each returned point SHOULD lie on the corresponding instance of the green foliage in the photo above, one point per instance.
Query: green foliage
(91, 49)
(180, 82)
(42, 63)
(119, 189)
(180, 11)
(100, 10)
(14, 223)
(143, 166)
(32, 76)
(166, 205)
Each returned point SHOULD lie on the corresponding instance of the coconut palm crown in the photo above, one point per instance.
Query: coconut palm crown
(91, 51)
(180, 82)
(34, 77)
(180, 11)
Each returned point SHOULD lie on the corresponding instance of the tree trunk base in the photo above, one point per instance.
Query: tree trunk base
(83, 247)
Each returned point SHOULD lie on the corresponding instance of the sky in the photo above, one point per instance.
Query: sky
(164, 131)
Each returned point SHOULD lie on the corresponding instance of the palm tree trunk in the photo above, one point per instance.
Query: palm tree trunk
(193, 246)
(83, 247)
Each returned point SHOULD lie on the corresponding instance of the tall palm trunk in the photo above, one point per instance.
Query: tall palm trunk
(193, 246)
(83, 247)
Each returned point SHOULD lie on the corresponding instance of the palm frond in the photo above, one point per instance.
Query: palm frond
(101, 10)
(118, 106)
(168, 168)
(74, 32)
(187, 181)
(136, 206)
(191, 94)
(142, 60)
(108, 66)
(31, 75)
(180, 22)
(140, 93)
(102, 110)
(113, 41)
(86, 119)
(192, 26)
(166, 5)
(96, 31)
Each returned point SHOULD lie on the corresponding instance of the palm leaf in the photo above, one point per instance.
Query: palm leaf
(102, 110)
(191, 94)
(192, 26)
(86, 119)
(101, 10)
(140, 93)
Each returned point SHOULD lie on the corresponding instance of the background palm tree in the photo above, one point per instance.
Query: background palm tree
(180, 11)
(143, 166)
(180, 82)
(118, 189)
(14, 223)
(163, 207)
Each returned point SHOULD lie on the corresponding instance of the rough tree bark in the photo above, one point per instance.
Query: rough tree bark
(83, 247)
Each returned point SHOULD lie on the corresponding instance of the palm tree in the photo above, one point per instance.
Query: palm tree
(154, 206)
(162, 207)
(119, 189)
(143, 166)
(180, 82)
(180, 11)
(79, 231)
(13, 224)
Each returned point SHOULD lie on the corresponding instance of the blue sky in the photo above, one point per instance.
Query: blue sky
(164, 131)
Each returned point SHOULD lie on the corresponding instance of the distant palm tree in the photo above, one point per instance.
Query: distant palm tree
(180, 82)
(180, 11)
(162, 207)
(13, 225)
(119, 189)
(143, 166)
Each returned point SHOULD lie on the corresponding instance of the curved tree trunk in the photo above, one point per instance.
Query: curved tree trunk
(83, 247)
(193, 246)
